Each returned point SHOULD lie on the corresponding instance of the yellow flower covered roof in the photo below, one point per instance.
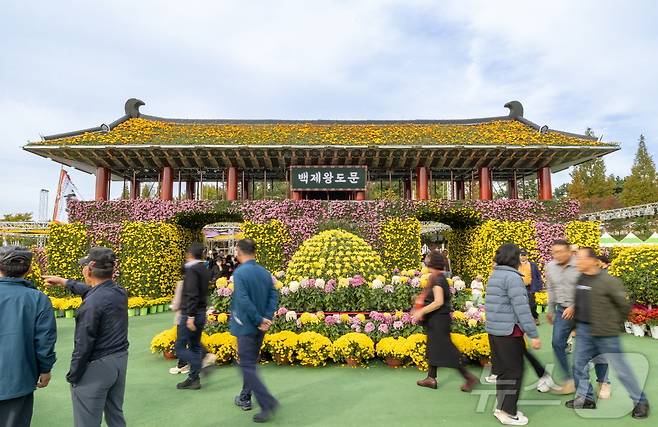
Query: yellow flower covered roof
(157, 132)
(135, 128)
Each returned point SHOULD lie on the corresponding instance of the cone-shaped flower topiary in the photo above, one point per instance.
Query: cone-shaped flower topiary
(334, 254)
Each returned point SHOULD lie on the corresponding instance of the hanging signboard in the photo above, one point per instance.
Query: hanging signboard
(328, 178)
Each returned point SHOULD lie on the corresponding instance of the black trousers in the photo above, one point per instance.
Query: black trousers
(507, 358)
(533, 304)
(17, 412)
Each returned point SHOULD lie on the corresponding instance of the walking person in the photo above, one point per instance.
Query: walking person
(100, 353)
(532, 280)
(192, 318)
(252, 310)
(27, 338)
(562, 275)
(433, 311)
(600, 309)
(508, 319)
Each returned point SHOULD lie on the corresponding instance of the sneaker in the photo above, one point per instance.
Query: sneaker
(580, 403)
(189, 384)
(569, 387)
(546, 384)
(604, 391)
(428, 382)
(517, 420)
(641, 410)
(491, 379)
(176, 370)
(243, 404)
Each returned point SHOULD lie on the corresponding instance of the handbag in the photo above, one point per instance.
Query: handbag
(419, 303)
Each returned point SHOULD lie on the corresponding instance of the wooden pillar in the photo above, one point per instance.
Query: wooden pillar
(422, 183)
(135, 186)
(512, 189)
(407, 189)
(246, 191)
(102, 183)
(360, 196)
(167, 184)
(232, 183)
(486, 189)
(460, 189)
(296, 195)
(544, 180)
(190, 189)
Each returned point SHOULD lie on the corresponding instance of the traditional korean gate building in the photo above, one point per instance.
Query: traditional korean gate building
(321, 158)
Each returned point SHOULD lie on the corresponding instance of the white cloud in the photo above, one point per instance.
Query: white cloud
(572, 64)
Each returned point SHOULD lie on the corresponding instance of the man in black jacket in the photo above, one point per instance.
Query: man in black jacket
(100, 354)
(193, 315)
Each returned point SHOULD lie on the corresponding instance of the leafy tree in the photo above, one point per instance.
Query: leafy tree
(590, 185)
(561, 192)
(17, 217)
(641, 185)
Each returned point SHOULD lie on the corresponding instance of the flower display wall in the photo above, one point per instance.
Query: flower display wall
(151, 258)
(472, 250)
(67, 243)
(401, 243)
(270, 239)
(638, 268)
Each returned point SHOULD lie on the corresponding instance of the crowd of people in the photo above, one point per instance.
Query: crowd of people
(582, 300)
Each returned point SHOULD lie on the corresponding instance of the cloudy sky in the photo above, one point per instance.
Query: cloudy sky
(72, 64)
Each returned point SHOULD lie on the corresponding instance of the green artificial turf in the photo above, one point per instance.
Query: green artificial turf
(330, 396)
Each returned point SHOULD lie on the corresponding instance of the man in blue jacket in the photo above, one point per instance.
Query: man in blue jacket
(27, 338)
(252, 310)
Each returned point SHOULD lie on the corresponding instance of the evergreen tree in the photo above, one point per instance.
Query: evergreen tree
(641, 185)
(17, 217)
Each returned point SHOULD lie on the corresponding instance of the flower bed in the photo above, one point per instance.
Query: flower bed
(65, 307)
(637, 267)
(341, 294)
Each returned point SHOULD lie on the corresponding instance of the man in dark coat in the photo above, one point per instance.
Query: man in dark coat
(194, 301)
(100, 353)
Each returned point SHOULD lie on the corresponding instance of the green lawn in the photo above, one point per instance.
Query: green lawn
(331, 396)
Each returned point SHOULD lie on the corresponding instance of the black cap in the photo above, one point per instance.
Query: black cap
(14, 255)
(524, 252)
(103, 258)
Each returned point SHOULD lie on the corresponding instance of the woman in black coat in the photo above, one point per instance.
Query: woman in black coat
(433, 311)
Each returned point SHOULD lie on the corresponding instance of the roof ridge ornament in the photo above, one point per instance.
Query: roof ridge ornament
(515, 109)
(132, 107)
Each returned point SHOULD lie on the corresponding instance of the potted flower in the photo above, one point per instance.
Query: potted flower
(153, 306)
(164, 343)
(652, 322)
(638, 318)
(353, 348)
(223, 345)
(69, 305)
(134, 306)
(312, 349)
(281, 346)
(394, 351)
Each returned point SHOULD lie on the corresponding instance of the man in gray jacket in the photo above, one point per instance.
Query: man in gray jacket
(561, 277)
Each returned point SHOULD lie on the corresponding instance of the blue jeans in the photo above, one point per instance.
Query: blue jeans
(588, 348)
(561, 330)
(248, 355)
(188, 344)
